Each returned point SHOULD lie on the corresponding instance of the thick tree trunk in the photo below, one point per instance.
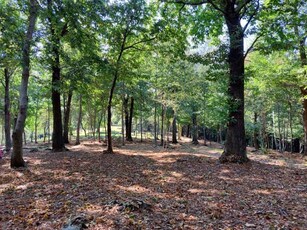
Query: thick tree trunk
(66, 117)
(235, 146)
(303, 58)
(17, 154)
(57, 137)
(7, 111)
(79, 121)
(194, 129)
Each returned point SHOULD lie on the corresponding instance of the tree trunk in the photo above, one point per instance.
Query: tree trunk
(128, 117)
(174, 133)
(57, 135)
(36, 121)
(194, 129)
(256, 133)
(204, 131)
(17, 154)
(123, 122)
(303, 58)
(126, 113)
(66, 117)
(304, 94)
(79, 121)
(99, 124)
(279, 128)
(7, 111)
(141, 122)
(129, 132)
(162, 124)
(235, 146)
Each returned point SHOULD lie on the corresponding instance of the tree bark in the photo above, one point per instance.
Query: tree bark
(235, 146)
(66, 117)
(7, 111)
(17, 154)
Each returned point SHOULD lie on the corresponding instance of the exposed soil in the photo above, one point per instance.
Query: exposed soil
(146, 187)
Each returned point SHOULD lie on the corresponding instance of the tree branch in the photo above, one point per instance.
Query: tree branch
(251, 17)
(196, 4)
(139, 42)
(243, 5)
(251, 47)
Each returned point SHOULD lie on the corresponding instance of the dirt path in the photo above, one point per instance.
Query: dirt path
(147, 187)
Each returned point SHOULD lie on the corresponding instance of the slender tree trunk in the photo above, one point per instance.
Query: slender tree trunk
(179, 131)
(36, 121)
(290, 125)
(7, 111)
(204, 130)
(109, 149)
(162, 124)
(129, 126)
(141, 121)
(235, 146)
(123, 122)
(84, 129)
(256, 133)
(174, 136)
(126, 113)
(66, 117)
(17, 154)
(99, 124)
(155, 120)
(79, 121)
(279, 128)
(49, 123)
(105, 126)
(304, 94)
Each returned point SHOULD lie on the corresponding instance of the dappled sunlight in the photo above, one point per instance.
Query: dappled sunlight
(141, 186)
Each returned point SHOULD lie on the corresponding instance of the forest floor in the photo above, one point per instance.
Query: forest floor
(148, 187)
